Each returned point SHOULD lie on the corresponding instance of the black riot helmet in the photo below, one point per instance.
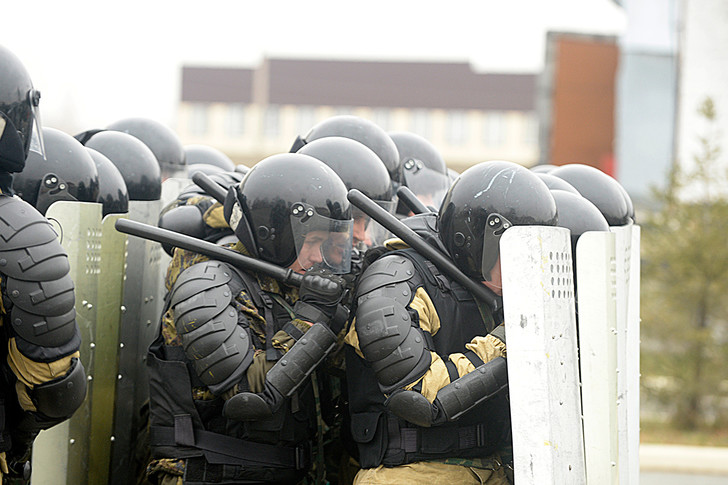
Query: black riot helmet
(363, 131)
(161, 140)
(135, 162)
(196, 154)
(484, 201)
(292, 208)
(555, 183)
(578, 215)
(19, 118)
(66, 172)
(359, 168)
(113, 195)
(599, 188)
(424, 170)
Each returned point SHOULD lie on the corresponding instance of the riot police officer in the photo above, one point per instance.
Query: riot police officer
(228, 402)
(425, 362)
(42, 381)
(359, 168)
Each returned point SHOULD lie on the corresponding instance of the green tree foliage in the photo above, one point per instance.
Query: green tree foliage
(685, 288)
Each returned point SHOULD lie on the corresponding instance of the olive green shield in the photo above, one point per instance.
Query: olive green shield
(61, 454)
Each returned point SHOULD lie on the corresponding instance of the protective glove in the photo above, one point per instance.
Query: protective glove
(453, 400)
(319, 294)
(284, 378)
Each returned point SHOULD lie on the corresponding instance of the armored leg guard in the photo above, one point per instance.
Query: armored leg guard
(453, 400)
(285, 377)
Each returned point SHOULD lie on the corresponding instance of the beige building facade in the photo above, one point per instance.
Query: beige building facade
(469, 117)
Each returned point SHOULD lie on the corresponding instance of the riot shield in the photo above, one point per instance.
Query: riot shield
(628, 355)
(142, 303)
(597, 324)
(61, 454)
(109, 298)
(543, 374)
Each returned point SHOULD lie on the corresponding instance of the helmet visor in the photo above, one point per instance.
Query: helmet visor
(369, 233)
(430, 186)
(321, 240)
(495, 226)
(35, 143)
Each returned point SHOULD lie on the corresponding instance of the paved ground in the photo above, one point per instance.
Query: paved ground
(688, 460)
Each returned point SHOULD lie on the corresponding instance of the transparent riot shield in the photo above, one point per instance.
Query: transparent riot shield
(597, 324)
(108, 316)
(628, 355)
(142, 303)
(543, 373)
(61, 454)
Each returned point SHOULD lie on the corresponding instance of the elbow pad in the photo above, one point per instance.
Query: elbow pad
(60, 398)
(207, 322)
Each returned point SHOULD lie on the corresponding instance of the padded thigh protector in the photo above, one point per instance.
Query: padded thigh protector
(35, 268)
(206, 320)
(388, 339)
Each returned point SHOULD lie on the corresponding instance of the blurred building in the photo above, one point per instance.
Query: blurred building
(576, 99)
(252, 113)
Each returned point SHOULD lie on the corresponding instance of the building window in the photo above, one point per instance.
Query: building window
(271, 122)
(235, 120)
(494, 128)
(305, 119)
(198, 119)
(456, 128)
(530, 129)
(382, 118)
(421, 123)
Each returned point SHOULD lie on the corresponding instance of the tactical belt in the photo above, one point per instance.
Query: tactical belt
(437, 440)
(241, 452)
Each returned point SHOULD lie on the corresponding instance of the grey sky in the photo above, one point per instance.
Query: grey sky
(98, 61)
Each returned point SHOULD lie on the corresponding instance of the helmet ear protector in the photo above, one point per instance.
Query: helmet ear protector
(11, 145)
(233, 213)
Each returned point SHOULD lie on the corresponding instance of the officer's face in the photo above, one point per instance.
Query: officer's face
(310, 252)
(360, 232)
(496, 281)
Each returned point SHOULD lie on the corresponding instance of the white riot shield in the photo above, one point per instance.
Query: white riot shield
(543, 374)
(597, 324)
(61, 454)
(142, 303)
(627, 274)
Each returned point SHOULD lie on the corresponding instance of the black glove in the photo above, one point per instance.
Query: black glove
(319, 294)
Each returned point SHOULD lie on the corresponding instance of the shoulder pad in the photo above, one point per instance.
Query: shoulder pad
(21, 225)
(49, 298)
(185, 219)
(43, 262)
(393, 275)
(199, 277)
(45, 331)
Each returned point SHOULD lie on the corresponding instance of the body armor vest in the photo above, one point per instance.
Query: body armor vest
(274, 450)
(385, 439)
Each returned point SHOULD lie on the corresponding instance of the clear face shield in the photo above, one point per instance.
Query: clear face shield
(495, 226)
(321, 240)
(36, 132)
(369, 233)
(428, 185)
